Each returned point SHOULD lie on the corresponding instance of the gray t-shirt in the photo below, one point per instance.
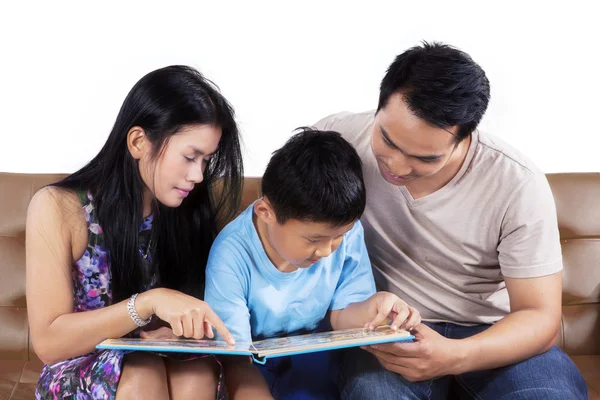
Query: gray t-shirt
(447, 253)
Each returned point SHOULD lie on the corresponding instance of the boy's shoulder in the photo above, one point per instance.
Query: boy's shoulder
(354, 240)
(235, 237)
(356, 233)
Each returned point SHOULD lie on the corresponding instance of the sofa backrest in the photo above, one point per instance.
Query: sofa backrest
(577, 199)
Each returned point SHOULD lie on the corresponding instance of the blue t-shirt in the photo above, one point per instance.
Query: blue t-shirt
(255, 300)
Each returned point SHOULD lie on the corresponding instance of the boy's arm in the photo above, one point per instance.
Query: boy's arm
(377, 309)
(227, 282)
(355, 285)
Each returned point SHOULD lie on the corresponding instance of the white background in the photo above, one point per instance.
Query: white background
(65, 68)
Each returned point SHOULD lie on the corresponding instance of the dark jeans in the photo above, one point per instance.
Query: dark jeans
(548, 376)
(303, 377)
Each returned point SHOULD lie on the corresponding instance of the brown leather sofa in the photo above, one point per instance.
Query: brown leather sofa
(578, 205)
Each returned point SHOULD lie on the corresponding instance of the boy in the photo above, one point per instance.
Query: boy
(291, 258)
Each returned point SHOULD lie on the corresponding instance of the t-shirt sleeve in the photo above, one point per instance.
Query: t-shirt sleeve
(332, 122)
(529, 241)
(324, 124)
(227, 282)
(356, 281)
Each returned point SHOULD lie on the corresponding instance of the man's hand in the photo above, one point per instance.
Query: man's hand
(429, 356)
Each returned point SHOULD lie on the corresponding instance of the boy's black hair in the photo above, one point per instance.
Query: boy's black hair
(316, 176)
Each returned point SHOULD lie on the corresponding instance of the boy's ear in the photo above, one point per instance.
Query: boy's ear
(264, 211)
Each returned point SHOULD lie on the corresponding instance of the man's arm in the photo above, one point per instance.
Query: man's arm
(530, 260)
(530, 256)
(531, 327)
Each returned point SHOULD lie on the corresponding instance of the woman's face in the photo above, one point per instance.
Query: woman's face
(179, 166)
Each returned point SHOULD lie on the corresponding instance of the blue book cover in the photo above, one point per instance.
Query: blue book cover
(260, 351)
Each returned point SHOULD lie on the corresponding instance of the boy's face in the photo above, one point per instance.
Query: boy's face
(296, 244)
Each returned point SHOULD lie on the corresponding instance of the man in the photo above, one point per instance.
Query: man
(463, 227)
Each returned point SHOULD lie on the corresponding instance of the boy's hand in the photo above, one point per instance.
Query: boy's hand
(388, 306)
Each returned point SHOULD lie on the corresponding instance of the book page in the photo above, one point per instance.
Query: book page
(329, 340)
(178, 346)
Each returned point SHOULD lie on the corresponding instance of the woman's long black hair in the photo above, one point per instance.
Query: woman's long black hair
(161, 103)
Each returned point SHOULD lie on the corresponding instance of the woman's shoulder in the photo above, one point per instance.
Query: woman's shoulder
(55, 198)
(56, 202)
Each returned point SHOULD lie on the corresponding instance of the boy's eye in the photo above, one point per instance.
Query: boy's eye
(313, 240)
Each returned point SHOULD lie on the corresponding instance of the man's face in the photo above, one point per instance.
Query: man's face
(406, 147)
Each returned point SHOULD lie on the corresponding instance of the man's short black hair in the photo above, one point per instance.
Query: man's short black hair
(316, 176)
(441, 85)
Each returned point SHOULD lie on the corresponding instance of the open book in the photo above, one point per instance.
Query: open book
(269, 348)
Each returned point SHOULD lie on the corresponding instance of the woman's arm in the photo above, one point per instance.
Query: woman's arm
(55, 236)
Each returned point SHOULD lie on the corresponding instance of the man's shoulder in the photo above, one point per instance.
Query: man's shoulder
(348, 124)
(505, 161)
(506, 153)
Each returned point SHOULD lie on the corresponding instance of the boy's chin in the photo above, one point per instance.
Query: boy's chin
(307, 264)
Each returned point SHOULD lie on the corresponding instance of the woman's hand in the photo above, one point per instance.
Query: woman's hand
(188, 316)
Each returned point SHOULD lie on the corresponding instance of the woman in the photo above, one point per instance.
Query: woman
(127, 237)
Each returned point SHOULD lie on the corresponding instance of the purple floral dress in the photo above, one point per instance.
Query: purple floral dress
(94, 375)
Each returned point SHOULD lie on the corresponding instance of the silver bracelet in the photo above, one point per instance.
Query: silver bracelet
(133, 313)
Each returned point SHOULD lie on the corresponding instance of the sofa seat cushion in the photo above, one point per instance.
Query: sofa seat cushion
(590, 369)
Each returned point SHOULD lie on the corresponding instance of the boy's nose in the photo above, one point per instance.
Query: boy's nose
(324, 251)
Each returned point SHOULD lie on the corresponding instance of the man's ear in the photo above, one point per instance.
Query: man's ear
(137, 142)
(264, 210)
